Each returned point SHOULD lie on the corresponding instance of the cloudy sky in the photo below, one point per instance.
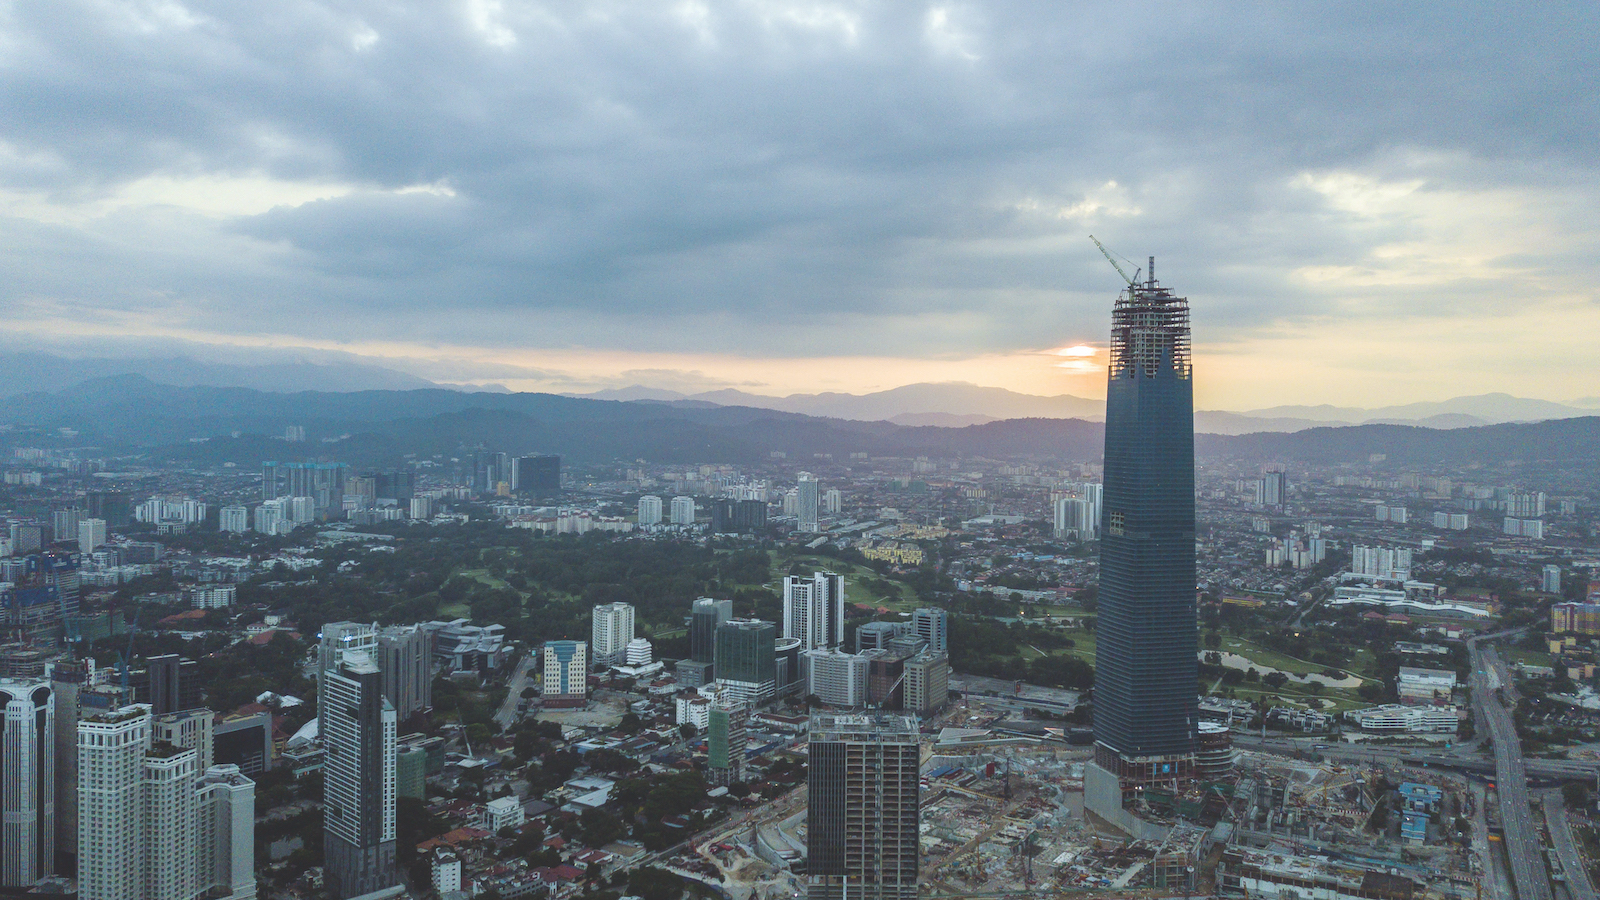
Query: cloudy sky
(1366, 203)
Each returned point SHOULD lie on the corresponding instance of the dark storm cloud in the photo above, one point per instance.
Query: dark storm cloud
(759, 174)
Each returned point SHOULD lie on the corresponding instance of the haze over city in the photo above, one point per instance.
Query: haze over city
(1366, 204)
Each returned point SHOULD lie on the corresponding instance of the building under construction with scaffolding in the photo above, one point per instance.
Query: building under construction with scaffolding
(1146, 679)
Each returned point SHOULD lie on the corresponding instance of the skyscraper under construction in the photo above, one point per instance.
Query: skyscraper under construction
(864, 789)
(1145, 696)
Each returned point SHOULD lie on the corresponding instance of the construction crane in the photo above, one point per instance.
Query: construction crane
(1132, 281)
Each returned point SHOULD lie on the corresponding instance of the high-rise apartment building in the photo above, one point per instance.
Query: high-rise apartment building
(832, 501)
(927, 686)
(234, 519)
(1146, 680)
(147, 825)
(1550, 582)
(27, 782)
(813, 609)
(1390, 563)
(613, 629)
(682, 512)
(808, 501)
(863, 815)
(746, 659)
(226, 823)
(837, 678)
(566, 673)
(649, 510)
(111, 749)
(932, 625)
(358, 729)
(91, 534)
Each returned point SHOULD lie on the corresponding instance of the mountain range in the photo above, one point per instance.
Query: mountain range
(132, 414)
(947, 404)
(956, 404)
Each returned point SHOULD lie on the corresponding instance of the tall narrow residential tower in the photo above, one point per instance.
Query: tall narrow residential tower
(1145, 697)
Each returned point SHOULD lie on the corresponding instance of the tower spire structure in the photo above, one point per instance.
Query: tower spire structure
(1146, 678)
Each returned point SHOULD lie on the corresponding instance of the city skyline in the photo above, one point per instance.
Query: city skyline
(808, 197)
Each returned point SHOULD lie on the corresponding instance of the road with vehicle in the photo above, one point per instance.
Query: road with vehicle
(1521, 837)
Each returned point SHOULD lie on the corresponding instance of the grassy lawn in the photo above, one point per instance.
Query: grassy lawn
(482, 576)
(1273, 659)
(448, 611)
(1527, 657)
(903, 600)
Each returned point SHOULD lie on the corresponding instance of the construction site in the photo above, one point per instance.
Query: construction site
(1002, 813)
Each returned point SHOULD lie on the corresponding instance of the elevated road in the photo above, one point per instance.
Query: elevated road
(1522, 847)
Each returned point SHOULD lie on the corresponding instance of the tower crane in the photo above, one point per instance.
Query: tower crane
(1132, 281)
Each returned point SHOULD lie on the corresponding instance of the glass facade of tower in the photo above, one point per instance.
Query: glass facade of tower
(1146, 686)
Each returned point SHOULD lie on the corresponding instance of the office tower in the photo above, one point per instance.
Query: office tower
(613, 629)
(729, 516)
(234, 519)
(110, 749)
(490, 469)
(807, 502)
(1146, 684)
(67, 680)
(411, 771)
(639, 652)
(927, 686)
(832, 501)
(537, 476)
(112, 506)
(863, 814)
(726, 740)
(877, 635)
(405, 656)
(746, 659)
(358, 730)
(933, 626)
(682, 511)
(649, 510)
(786, 665)
(813, 609)
(401, 487)
(837, 678)
(164, 688)
(566, 673)
(91, 534)
(243, 740)
(791, 502)
(361, 491)
(226, 811)
(27, 782)
(192, 729)
(1550, 582)
(704, 618)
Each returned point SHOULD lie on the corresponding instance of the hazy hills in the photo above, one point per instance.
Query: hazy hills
(956, 404)
(134, 414)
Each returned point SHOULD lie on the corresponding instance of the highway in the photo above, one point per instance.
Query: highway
(1521, 838)
(1555, 819)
